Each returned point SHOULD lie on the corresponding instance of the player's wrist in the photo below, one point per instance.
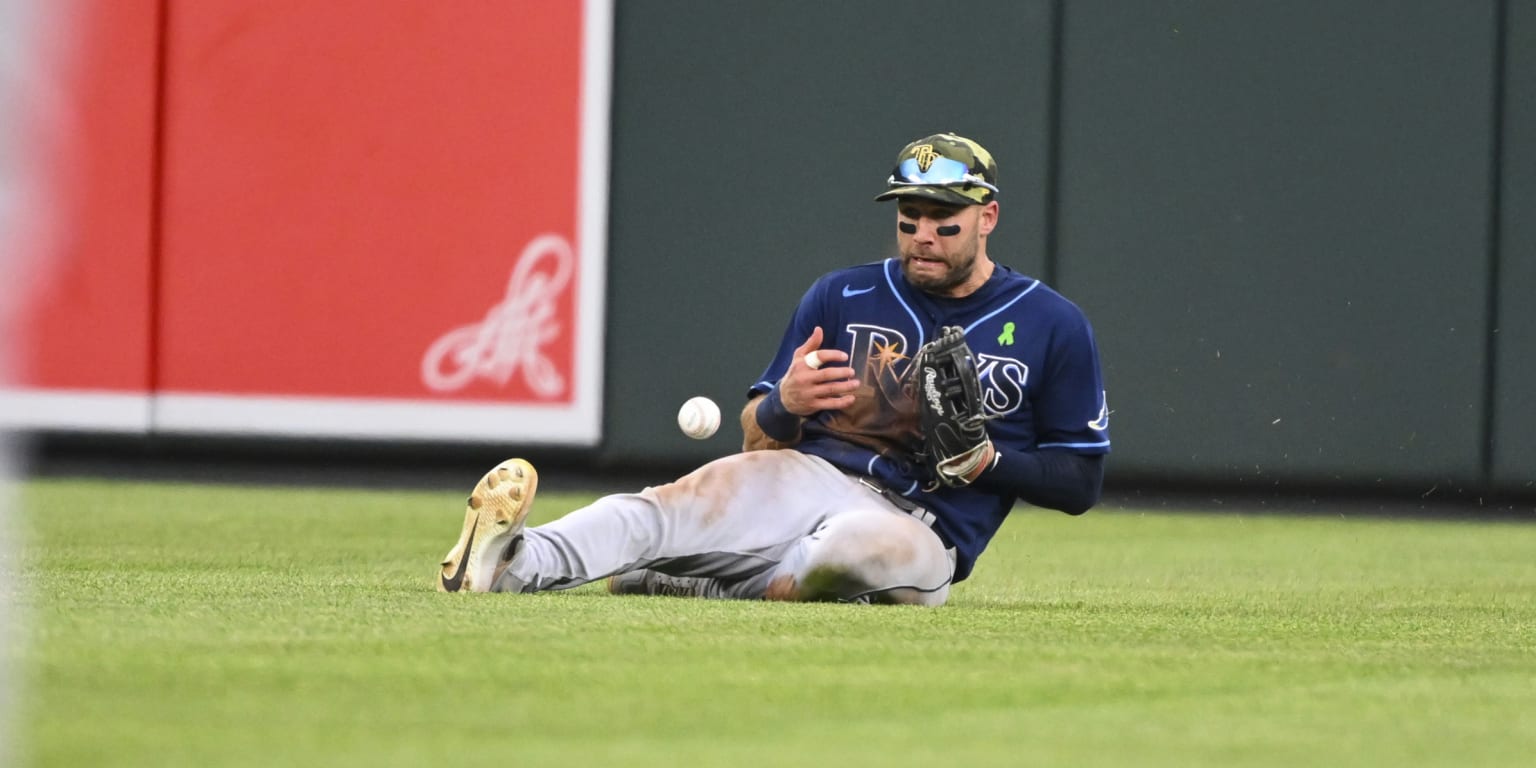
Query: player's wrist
(775, 419)
(989, 459)
(965, 469)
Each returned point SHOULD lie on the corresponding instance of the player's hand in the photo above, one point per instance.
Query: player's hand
(806, 390)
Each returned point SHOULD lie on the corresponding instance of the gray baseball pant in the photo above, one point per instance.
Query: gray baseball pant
(761, 524)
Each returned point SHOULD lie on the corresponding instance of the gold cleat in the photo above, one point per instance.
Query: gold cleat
(493, 526)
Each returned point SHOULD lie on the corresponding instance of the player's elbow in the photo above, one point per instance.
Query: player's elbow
(1079, 506)
(1072, 501)
(1089, 490)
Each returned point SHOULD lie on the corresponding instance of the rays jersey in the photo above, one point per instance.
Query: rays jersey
(1038, 365)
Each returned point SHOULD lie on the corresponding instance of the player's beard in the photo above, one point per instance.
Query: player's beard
(961, 263)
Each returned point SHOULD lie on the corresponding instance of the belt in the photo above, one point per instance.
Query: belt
(900, 502)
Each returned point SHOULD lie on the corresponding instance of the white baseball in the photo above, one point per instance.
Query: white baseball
(699, 417)
(812, 360)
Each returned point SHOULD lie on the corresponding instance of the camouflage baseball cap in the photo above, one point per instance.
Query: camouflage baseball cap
(945, 168)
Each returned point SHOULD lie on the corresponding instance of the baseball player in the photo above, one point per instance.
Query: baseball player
(911, 403)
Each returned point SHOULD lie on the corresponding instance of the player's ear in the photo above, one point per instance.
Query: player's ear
(988, 219)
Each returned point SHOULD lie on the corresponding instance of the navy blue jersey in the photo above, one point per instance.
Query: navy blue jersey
(1039, 370)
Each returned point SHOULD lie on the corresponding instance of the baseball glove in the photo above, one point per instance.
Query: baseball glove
(950, 412)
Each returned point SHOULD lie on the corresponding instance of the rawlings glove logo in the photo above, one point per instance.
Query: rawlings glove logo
(931, 392)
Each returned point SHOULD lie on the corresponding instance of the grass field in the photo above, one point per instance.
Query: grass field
(181, 625)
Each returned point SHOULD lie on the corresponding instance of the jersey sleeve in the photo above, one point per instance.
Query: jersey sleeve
(1071, 412)
(808, 315)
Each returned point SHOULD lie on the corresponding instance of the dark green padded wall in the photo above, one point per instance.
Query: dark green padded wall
(1514, 425)
(749, 139)
(1276, 213)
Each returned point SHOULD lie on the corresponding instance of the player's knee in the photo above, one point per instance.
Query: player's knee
(876, 556)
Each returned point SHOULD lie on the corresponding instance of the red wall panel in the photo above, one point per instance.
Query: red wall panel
(375, 218)
(85, 321)
(347, 182)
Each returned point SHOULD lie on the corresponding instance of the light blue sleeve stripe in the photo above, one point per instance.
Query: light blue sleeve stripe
(1104, 444)
(769, 384)
(993, 313)
(892, 283)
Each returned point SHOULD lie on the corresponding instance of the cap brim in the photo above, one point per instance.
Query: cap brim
(937, 194)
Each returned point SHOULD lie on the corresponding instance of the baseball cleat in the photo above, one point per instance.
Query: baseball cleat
(648, 582)
(493, 526)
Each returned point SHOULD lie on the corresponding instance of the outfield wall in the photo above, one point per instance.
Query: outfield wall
(1305, 231)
